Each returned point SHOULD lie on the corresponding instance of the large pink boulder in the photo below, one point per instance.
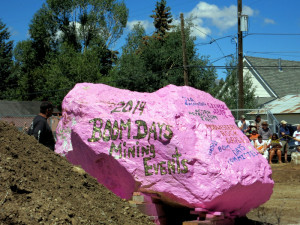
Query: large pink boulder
(178, 142)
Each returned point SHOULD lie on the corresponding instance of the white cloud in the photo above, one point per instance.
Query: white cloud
(222, 18)
(199, 30)
(145, 23)
(205, 16)
(59, 33)
(269, 21)
(12, 31)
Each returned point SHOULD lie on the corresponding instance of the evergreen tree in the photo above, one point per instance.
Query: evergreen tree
(25, 57)
(155, 64)
(6, 62)
(228, 91)
(162, 19)
(130, 72)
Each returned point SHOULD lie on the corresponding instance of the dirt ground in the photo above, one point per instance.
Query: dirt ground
(284, 204)
(38, 186)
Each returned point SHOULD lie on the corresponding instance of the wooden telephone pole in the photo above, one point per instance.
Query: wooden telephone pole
(185, 70)
(240, 57)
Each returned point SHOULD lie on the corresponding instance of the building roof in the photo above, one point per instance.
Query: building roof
(281, 76)
(264, 100)
(285, 105)
(19, 108)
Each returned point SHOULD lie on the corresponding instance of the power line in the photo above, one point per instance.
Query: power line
(174, 68)
(275, 52)
(275, 34)
(215, 60)
(212, 39)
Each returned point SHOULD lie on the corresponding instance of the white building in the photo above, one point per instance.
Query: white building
(273, 78)
(277, 86)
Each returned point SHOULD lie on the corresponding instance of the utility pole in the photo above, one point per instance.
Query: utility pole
(185, 70)
(240, 56)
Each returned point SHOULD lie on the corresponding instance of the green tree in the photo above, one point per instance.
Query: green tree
(30, 78)
(6, 63)
(80, 22)
(162, 19)
(150, 64)
(69, 43)
(228, 90)
(43, 35)
(134, 39)
(130, 72)
(202, 75)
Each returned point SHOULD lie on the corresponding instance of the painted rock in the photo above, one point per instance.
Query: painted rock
(178, 142)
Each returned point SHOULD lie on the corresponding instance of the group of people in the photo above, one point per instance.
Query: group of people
(265, 141)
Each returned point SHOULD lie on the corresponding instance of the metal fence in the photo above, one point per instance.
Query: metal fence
(23, 122)
(251, 114)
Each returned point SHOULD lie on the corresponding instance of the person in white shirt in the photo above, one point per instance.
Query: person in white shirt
(261, 147)
(243, 124)
(296, 136)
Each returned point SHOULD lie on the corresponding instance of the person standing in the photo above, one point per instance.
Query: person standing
(284, 134)
(40, 128)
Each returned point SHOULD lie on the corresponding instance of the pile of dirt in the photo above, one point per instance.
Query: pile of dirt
(38, 186)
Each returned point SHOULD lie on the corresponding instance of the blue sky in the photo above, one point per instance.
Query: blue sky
(274, 25)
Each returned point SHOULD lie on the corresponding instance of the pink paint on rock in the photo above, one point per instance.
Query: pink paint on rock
(179, 142)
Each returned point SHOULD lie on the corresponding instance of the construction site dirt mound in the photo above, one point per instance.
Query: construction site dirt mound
(38, 186)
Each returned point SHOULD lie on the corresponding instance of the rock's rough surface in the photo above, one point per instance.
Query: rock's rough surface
(178, 142)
